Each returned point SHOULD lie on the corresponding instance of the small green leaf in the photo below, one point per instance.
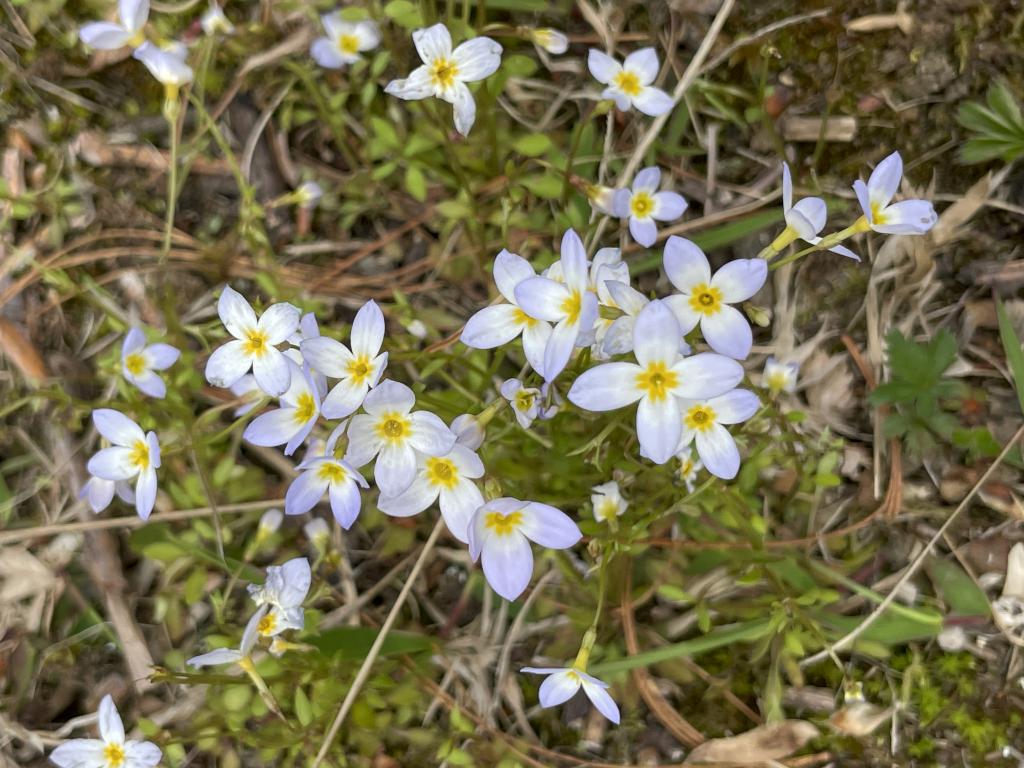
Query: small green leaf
(533, 145)
(303, 708)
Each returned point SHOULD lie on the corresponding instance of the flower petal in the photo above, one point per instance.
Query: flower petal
(658, 425)
(787, 187)
(363, 441)
(602, 700)
(116, 427)
(510, 269)
(296, 577)
(279, 322)
(368, 330)
(644, 63)
(110, 725)
(272, 372)
(141, 754)
(458, 505)
(542, 298)
(885, 180)
(76, 753)
(647, 179)
(98, 492)
(718, 451)
(150, 384)
(418, 85)
(863, 197)
(235, 312)
(728, 332)
(492, 327)
(413, 500)
(508, 564)
(558, 688)
(212, 659)
(433, 43)
(387, 396)
(464, 107)
(344, 399)
(656, 334)
(626, 298)
(644, 231)
(228, 364)
(429, 435)
(669, 206)
(735, 407)
(685, 314)
(145, 493)
(573, 260)
(305, 491)
(559, 348)
(477, 58)
(162, 356)
(395, 469)
(653, 101)
(134, 340)
(104, 36)
(740, 279)
(811, 215)
(346, 503)
(327, 356)
(134, 14)
(326, 53)
(907, 217)
(685, 264)
(272, 428)
(113, 464)
(706, 375)
(606, 387)
(535, 341)
(602, 66)
(548, 526)
(621, 199)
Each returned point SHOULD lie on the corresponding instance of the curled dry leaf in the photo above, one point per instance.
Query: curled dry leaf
(773, 741)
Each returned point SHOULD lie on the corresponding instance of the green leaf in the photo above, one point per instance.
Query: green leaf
(957, 589)
(355, 642)
(303, 708)
(532, 145)
(547, 186)
(1014, 352)
(416, 183)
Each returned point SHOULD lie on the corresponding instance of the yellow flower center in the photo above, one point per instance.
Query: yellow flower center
(443, 72)
(608, 509)
(706, 299)
(348, 44)
(140, 455)
(266, 624)
(503, 525)
(628, 83)
(359, 369)
(137, 39)
(656, 380)
(524, 400)
(571, 306)
(685, 467)
(255, 343)
(393, 427)
(522, 318)
(332, 472)
(114, 755)
(777, 381)
(305, 408)
(134, 363)
(876, 214)
(442, 472)
(700, 418)
(641, 205)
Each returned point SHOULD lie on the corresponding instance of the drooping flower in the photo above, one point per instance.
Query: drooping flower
(167, 65)
(551, 40)
(706, 300)
(326, 474)
(703, 424)
(779, 377)
(907, 217)
(290, 424)
(500, 534)
(254, 345)
(563, 683)
(525, 401)
(468, 431)
(804, 220)
(344, 41)
(499, 324)
(448, 480)
(241, 655)
(133, 455)
(602, 199)
(107, 36)
(688, 468)
(111, 750)
(214, 21)
(660, 379)
(629, 83)
(607, 501)
(282, 594)
(318, 533)
(358, 370)
(139, 361)
(393, 432)
(571, 304)
(445, 72)
(644, 204)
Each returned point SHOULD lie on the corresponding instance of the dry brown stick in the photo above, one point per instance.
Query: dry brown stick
(676, 724)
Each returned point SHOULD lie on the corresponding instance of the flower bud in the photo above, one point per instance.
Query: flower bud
(551, 40)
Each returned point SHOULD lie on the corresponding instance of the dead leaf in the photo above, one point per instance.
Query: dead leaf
(17, 347)
(773, 741)
(811, 129)
(859, 718)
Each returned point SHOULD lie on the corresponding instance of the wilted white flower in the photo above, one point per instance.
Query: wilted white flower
(629, 83)
(283, 592)
(344, 41)
(607, 501)
(111, 750)
(445, 72)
